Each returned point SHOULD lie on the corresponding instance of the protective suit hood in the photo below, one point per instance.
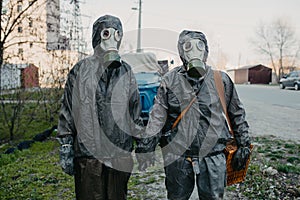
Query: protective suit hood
(106, 21)
(186, 35)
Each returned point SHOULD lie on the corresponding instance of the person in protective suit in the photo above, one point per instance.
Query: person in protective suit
(193, 149)
(99, 118)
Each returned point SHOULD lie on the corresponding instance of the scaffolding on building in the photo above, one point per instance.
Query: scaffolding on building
(71, 25)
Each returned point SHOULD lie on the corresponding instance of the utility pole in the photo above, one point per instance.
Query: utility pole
(138, 49)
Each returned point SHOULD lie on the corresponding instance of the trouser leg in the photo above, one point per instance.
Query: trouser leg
(117, 180)
(95, 181)
(211, 181)
(90, 179)
(179, 179)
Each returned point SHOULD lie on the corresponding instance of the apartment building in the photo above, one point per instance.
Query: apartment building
(36, 40)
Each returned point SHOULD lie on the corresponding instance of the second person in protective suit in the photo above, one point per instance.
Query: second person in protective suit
(100, 118)
(193, 148)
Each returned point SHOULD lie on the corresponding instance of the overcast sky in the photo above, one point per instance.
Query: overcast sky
(228, 24)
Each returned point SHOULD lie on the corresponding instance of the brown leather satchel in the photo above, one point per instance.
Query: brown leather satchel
(233, 176)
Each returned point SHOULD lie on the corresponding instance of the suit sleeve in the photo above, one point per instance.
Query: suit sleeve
(65, 123)
(66, 129)
(236, 112)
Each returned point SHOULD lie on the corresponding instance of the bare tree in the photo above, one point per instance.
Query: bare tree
(20, 108)
(278, 42)
(13, 112)
(11, 15)
(55, 78)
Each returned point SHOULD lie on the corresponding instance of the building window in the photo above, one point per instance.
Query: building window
(49, 27)
(30, 44)
(20, 51)
(20, 29)
(30, 22)
(19, 8)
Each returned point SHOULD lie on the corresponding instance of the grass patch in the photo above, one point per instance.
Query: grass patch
(280, 155)
(261, 150)
(150, 180)
(274, 156)
(293, 160)
(34, 174)
(37, 94)
(291, 151)
(34, 119)
(290, 146)
(33, 112)
(288, 168)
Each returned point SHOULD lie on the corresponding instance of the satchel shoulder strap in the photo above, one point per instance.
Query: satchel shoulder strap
(221, 93)
(184, 111)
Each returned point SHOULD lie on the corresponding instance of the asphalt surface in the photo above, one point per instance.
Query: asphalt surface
(271, 111)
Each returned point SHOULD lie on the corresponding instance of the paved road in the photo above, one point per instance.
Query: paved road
(272, 111)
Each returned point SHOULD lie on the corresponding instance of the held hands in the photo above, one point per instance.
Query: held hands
(145, 152)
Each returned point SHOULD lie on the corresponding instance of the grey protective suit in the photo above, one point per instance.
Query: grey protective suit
(98, 121)
(201, 134)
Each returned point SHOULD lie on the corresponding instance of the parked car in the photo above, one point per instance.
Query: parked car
(292, 79)
(148, 76)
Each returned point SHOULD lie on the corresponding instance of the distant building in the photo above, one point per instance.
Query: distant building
(19, 76)
(251, 74)
(10, 77)
(37, 39)
(30, 76)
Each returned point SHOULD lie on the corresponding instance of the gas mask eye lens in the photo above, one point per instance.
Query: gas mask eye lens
(200, 45)
(105, 34)
(117, 35)
(187, 46)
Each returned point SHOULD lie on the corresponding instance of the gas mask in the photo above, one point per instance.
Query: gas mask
(109, 43)
(194, 53)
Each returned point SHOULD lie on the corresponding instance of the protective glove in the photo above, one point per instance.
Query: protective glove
(145, 160)
(66, 154)
(240, 157)
(145, 152)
